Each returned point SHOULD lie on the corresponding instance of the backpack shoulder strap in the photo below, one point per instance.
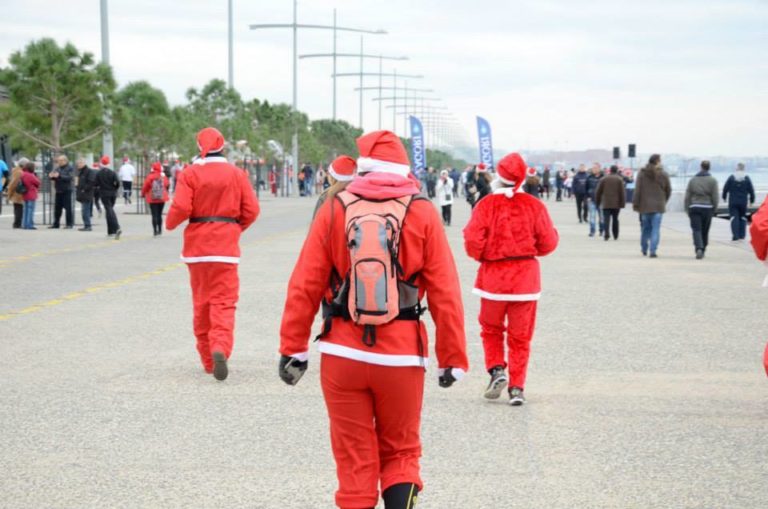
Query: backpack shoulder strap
(346, 198)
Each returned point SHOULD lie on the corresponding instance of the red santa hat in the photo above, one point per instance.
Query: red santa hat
(105, 160)
(512, 170)
(125, 159)
(481, 167)
(157, 167)
(210, 140)
(531, 172)
(383, 152)
(343, 168)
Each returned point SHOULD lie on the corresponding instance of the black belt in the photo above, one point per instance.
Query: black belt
(513, 258)
(213, 219)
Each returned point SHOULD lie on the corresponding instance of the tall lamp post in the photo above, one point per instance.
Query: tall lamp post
(295, 27)
(106, 138)
(361, 88)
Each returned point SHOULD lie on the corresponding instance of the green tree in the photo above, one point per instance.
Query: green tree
(143, 120)
(57, 95)
(335, 137)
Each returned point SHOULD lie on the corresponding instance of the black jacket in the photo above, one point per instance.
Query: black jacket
(739, 190)
(483, 186)
(579, 183)
(592, 182)
(64, 180)
(107, 183)
(86, 181)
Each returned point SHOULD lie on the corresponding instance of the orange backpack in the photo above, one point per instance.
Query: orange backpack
(373, 291)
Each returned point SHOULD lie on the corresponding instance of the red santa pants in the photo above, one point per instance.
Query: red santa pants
(215, 290)
(520, 318)
(375, 414)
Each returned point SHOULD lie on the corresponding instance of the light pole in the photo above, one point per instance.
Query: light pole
(360, 56)
(231, 55)
(106, 138)
(295, 26)
(360, 89)
(394, 88)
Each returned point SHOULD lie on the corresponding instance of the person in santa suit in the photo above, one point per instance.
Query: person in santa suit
(340, 173)
(218, 200)
(507, 231)
(758, 232)
(373, 383)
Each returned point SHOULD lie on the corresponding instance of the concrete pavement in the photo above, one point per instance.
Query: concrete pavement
(645, 388)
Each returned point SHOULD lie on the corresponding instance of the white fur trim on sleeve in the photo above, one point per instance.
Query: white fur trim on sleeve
(366, 164)
(301, 356)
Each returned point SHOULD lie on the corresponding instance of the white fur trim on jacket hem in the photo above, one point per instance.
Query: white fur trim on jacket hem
(339, 177)
(215, 259)
(511, 297)
(382, 359)
(457, 373)
(366, 164)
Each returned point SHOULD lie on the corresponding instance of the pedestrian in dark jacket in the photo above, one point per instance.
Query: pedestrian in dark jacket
(579, 189)
(63, 176)
(107, 185)
(546, 179)
(611, 198)
(740, 193)
(482, 182)
(701, 199)
(652, 192)
(595, 214)
(86, 182)
(559, 184)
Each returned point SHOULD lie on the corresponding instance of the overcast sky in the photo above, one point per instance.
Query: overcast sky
(688, 76)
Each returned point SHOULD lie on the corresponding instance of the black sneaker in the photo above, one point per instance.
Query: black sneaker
(84, 229)
(516, 397)
(654, 255)
(220, 370)
(498, 381)
(699, 254)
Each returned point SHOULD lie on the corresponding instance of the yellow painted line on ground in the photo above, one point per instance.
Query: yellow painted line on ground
(71, 249)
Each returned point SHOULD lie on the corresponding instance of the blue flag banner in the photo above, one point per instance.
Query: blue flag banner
(418, 151)
(484, 139)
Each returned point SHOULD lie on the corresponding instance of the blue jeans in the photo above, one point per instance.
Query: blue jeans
(651, 231)
(86, 210)
(738, 213)
(28, 218)
(595, 216)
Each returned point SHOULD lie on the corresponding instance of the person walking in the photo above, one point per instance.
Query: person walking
(31, 188)
(580, 192)
(532, 183)
(482, 182)
(155, 192)
(431, 183)
(506, 232)
(611, 198)
(445, 196)
(546, 181)
(740, 193)
(107, 185)
(595, 213)
(559, 184)
(701, 200)
(218, 200)
(373, 362)
(62, 176)
(86, 182)
(127, 172)
(340, 173)
(15, 197)
(456, 177)
(652, 192)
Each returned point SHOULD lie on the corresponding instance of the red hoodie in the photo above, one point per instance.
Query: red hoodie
(146, 189)
(424, 250)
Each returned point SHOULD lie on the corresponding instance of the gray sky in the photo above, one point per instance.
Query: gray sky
(687, 76)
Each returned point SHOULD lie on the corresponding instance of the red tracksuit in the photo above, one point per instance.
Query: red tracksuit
(759, 234)
(374, 394)
(213, 188)
(505, 235)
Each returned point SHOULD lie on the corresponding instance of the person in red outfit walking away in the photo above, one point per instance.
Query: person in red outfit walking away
(506, 232)
(217, 199)
(759, 233)
(380, 247)
(155, 192)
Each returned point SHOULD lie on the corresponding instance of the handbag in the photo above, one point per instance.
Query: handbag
(21, 188)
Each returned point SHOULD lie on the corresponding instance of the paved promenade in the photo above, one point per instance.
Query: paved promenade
(645, 390)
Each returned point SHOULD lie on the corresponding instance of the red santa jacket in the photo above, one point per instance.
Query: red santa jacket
(424, 251)
(213, 188)
(146, 189)
(505, 235)
(759, 231)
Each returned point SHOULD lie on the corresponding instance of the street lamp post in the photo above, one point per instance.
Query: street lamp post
(360, 89)
(295, 26)
(106, 138)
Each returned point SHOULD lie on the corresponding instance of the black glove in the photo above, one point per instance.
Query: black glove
(446, 379)
(291, 369)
